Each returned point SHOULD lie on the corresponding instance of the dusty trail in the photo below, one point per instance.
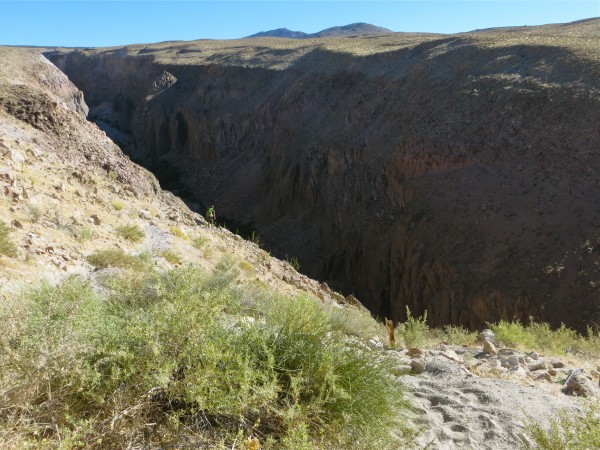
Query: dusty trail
(459, 409)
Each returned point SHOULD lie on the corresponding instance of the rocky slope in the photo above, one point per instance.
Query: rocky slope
(66, 188)
(456, 174)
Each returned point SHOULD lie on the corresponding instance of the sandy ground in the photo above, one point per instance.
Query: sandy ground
(461, 410)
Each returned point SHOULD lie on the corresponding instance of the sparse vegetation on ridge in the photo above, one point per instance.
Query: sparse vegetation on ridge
(184, 357)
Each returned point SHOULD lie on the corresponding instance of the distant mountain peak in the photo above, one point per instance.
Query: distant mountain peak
(281, 32)
(353, 29)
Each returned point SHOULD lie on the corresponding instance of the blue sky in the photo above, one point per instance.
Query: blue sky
(106, 23)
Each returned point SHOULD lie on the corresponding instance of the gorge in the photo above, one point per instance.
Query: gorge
(453, 174)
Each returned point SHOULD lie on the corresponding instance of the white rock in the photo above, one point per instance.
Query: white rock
(487, 335)
(17, 157)
(518, 372)
(375, 345)
(145, 214)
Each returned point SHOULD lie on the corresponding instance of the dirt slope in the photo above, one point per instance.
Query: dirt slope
(456, 174)
(66, 189)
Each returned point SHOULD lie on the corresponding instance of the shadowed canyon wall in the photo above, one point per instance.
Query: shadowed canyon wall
(452, 174)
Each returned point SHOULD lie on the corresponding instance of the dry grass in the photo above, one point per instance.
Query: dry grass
(7, 247)
(132, 233)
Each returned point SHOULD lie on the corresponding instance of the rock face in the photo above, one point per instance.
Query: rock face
(454, 174)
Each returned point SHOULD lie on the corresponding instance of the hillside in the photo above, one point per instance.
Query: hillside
(281, 33)
(352, 30)
(454, 174)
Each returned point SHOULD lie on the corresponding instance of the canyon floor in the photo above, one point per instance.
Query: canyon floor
(68, 192)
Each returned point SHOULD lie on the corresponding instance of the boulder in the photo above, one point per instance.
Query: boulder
(489, 348)
(417, 366)
(579, 384)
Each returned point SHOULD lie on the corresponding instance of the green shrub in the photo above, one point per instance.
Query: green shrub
(567, 430)
(176, 231)
(590, 344)
(34, 212)
(131, 232)
(293, 262)
(83, 234)
(513, 334)
(119, 259)
(118, 205)
(7, 247)
(171, 257)
(539, 336)
(414, 331)
(246, 266)
(199, 242)
(458, 335)
(554, 341)
(200, 361)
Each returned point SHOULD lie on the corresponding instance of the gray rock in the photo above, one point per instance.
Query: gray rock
(578, 384)
(509, 361)
(487, 335)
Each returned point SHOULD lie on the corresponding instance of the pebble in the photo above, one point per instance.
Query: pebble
(417, 366)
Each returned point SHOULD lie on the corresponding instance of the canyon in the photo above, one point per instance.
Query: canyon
(452, 174)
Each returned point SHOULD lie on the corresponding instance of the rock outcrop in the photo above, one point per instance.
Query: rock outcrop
(455, 174)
